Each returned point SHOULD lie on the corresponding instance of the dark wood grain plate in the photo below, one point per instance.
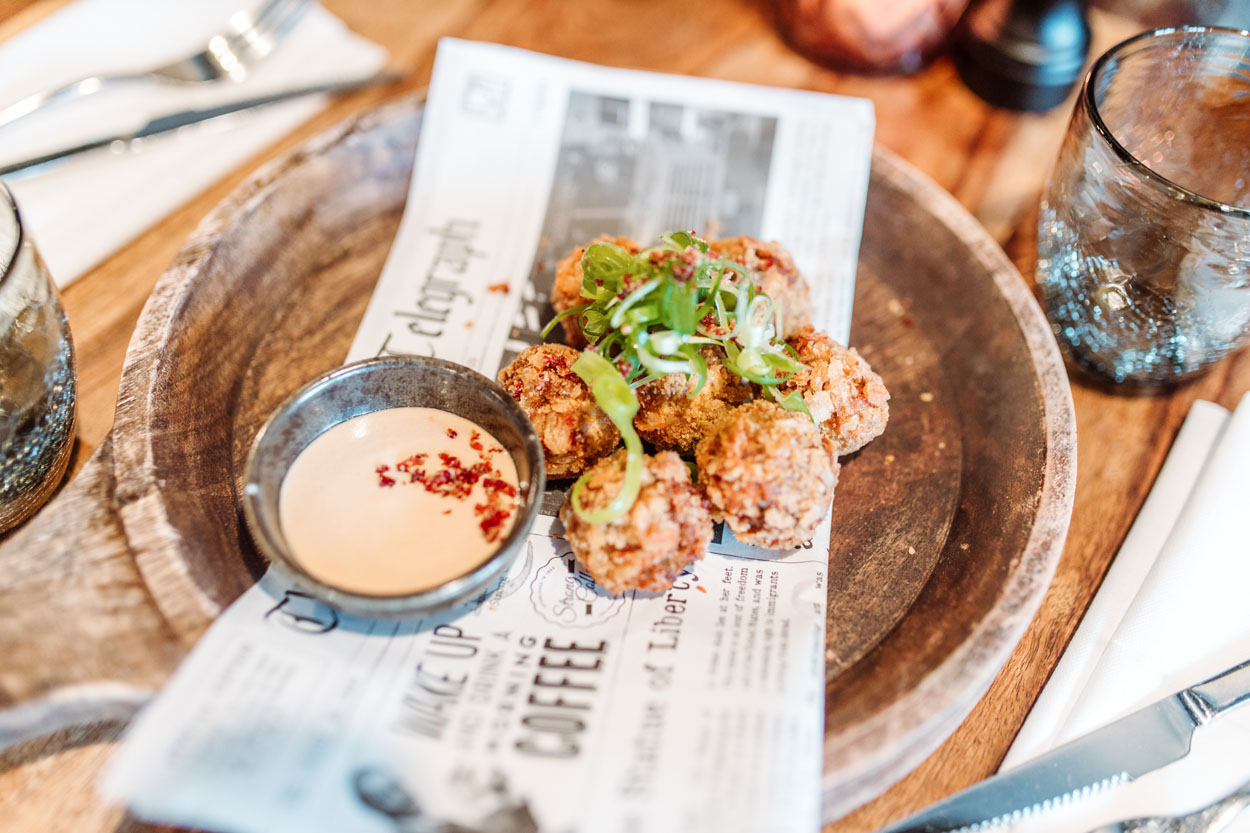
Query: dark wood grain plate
(946, 529)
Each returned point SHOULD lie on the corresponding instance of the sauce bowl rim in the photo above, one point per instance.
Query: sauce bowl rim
(266, 531)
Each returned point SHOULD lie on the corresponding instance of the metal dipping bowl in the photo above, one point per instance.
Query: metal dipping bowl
(374, 385)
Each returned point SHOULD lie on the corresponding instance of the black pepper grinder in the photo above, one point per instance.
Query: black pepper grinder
(1022, 54)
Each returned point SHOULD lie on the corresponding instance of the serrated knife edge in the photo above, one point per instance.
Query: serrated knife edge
(1140, 742)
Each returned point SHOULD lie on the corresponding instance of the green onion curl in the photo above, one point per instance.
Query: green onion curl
(620, 404)
(649, 314)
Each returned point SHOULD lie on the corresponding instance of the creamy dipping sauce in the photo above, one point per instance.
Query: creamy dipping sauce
(398, 501)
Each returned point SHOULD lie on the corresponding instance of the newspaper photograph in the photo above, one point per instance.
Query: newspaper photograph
(546, 704)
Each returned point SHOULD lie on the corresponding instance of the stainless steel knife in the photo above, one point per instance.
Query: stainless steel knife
(175, 121)
(1121, 751)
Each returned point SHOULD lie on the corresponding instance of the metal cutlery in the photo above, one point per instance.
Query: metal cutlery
(1141, 742)
(1210, 819)
(175, 121)
(226, 57)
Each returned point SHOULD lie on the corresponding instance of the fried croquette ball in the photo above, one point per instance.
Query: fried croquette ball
(574, 430)
(646, 548)
(847, 399)
(767, 475)
(566, 292)
(775, 275)
(669, 418)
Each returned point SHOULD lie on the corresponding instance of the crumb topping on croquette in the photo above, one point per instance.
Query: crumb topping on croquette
(574, 430)
(775, 275)
(566, 292)
(667, 528)
(669, 418)
(768, 472)
(767, 475)
(847, 399)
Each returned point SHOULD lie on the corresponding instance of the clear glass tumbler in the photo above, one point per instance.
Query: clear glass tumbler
(1144, 233)
(38, 406)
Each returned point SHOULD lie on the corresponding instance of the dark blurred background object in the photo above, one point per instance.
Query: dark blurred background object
(1022, 54)
(1029, 54)
(1019, 54)
(868, 36)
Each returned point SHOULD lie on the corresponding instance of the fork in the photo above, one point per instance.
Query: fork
(1209, 819)
(227, 56)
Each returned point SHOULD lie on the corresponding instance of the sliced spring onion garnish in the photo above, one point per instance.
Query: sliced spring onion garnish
(551, 325)
(793, 401)
(684, 239)
(649, 314)
(619, 403)
(700, 366)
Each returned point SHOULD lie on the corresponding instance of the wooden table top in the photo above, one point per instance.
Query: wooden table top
(993, 161)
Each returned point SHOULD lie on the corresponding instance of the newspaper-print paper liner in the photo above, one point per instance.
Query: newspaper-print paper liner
(546, 704)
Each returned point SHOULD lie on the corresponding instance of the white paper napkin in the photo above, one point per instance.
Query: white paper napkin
(1173, 610)
(87, 208)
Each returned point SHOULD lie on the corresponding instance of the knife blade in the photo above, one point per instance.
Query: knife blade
(170, 122)
(1141, 742)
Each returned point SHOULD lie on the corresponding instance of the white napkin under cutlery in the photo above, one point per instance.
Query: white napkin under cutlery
(86, 208)
(1173, 610)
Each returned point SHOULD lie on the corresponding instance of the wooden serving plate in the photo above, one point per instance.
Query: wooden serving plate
(947, 529)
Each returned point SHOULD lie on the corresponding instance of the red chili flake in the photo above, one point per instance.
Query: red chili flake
(492, 524)
(455, 480)
(713, 327)
(491, 484)
(451, 432)
(411, 463)
(383, 480)
(501, 288)
(631, 282)
(555, 361)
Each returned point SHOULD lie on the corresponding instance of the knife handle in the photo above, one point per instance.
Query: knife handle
(1224, 691)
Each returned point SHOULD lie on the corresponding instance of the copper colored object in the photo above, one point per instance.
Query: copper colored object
(868, 36)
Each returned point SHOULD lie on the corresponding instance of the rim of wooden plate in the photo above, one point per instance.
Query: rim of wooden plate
(861, 762)
(869, 758)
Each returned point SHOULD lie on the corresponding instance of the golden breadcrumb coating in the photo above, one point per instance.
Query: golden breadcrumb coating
(669, 418)
(574, 430)
(767, 475)
(566, 292)
(847, 399)
(775, 275)
(667, 528)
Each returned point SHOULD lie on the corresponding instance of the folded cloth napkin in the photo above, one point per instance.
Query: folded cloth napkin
(1173, 610)
(88, 207)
